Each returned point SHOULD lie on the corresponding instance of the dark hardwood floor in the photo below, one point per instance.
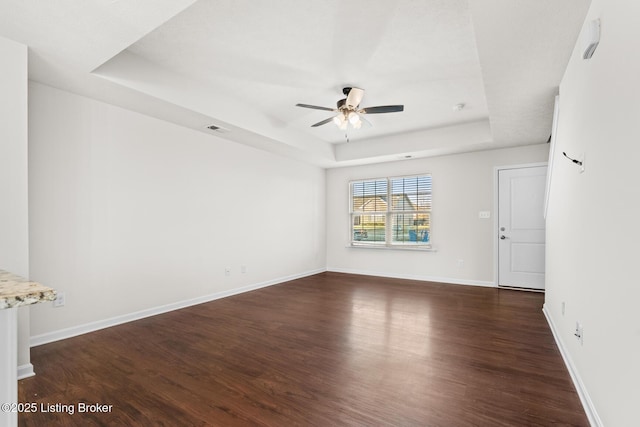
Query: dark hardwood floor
(327, 350)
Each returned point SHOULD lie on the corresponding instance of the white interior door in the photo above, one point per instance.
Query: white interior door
(521, 227)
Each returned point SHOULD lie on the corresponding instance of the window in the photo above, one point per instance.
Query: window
(391, 211)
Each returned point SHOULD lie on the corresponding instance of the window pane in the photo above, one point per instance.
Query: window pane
(368, 228)
(411, 194)
(369, 196)
(411, 229)
(403, 202)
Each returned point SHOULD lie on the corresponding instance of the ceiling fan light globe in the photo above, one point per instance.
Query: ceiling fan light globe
(354, 118)
(357, 125)
(343, 125)
(338, 120)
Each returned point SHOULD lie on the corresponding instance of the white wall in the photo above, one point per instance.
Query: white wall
(14, 226)
(463, 185)
(130, 213)
(592, 222)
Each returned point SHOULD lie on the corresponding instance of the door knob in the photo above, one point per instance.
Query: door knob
(503, 237)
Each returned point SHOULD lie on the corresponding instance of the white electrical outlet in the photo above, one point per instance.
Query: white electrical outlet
(579, 334)
(227, 271)
(460, 263)
(59, 301)
(243, 269)
(484, 214)
(581, 331)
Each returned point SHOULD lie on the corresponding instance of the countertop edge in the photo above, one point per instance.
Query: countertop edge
(16, 291)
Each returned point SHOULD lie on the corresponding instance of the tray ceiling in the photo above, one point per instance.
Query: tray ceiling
(243, 65)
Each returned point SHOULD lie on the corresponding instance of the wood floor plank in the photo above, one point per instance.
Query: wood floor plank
(329, 349)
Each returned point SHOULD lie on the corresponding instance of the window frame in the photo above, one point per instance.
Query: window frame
(390, 215)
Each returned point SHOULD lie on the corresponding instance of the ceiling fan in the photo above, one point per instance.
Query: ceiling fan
(349, 111)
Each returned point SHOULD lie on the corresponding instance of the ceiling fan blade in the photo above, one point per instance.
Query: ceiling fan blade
(355, 97)
(315, 107)
(324, 122)
(382, 109)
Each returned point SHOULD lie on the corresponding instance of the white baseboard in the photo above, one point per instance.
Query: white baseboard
(587, 403)
(25, 371)
(415, 277)
(118, 320)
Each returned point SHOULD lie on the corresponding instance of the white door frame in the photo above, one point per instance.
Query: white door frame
(496, 240)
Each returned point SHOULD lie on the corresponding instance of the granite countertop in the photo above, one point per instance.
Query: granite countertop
(16, 291)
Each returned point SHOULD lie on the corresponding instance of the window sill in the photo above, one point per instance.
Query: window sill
(395, 248)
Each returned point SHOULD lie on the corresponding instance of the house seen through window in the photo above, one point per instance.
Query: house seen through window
(391, 211)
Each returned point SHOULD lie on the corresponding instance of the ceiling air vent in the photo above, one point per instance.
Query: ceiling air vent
(217, 129)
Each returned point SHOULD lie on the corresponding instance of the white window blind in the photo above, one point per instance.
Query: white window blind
(391, 211)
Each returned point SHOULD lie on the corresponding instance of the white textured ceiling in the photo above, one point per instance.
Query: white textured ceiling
(244, 65)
